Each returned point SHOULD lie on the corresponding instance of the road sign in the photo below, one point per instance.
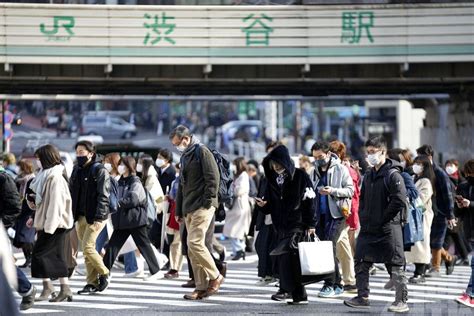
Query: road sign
(8, 118)
(8, 132)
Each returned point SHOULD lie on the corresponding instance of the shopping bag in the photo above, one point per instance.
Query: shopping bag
(316, 256)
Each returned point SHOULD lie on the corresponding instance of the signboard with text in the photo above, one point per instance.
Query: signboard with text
(103, 34)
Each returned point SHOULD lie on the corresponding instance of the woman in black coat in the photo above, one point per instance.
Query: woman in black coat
(289, 198)
(131, 219)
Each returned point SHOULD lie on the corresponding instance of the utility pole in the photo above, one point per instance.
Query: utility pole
(2, 121)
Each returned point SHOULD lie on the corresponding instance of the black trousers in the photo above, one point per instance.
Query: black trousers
(460, 242)
(264, 244)
(140, 237)
(362, 277)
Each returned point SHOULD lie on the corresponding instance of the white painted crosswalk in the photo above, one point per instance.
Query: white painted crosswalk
(34, 134)
(238, 289)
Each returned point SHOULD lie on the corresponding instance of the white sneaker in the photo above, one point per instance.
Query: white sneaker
(265, 281)
(157, 276)
(161, 258)
(136, 274)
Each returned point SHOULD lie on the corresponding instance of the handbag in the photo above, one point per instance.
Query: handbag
(316, 256)
(344, 204)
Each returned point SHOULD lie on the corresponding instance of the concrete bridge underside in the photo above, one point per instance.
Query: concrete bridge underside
(315, 80)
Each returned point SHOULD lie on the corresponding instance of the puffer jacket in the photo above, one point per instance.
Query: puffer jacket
(10, 206)
(97, 185)
(132, 204)
(383, 199)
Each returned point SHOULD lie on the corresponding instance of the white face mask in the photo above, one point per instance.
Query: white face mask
(417, 169)
(451, 169)
(233, 169)
(38, 163)
(180, 148)
(139, 167)
(159, 162)
(108, 167)
(121, 169)
(374, 159)
(404, 164)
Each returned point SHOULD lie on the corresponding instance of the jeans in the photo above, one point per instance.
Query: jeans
(237, 245)
(130, 262)
(101, 239)
(330, 228)
(470, 286)
(24, 286)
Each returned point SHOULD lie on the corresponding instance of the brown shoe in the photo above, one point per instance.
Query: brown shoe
(214, 285)
(172, 274)
(190, 284)
(196, 295)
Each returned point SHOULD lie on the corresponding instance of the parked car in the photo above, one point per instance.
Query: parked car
(246, 130)
(107, 126)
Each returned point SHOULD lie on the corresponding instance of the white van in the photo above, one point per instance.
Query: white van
(107, 126)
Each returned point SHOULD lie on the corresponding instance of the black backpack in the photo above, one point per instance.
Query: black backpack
(225, 194)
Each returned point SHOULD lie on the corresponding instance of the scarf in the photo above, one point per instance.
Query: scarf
(23, 182)
(38, 183)
(195, 142)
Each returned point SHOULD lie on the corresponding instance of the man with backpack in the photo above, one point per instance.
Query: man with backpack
(196, 202)
(381, 211)
(90, 191)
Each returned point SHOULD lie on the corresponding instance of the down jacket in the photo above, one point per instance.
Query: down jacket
(132, 203)
(381, 203)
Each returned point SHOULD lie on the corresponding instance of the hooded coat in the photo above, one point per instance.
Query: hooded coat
(291, 208)
(383, 198)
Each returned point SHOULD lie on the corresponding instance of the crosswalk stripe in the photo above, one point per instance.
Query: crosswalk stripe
(239, 288)
(33, 134)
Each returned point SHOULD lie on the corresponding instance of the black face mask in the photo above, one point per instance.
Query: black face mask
(81, 160)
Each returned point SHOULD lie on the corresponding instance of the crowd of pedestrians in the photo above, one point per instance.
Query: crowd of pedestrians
(402, 209)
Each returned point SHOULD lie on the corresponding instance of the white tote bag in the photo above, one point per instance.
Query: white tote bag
(316, 257)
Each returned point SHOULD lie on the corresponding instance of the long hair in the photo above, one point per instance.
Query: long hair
(147, 163)
(428, 171)
(241, 166)
(130, 164)
(338, 148)
(114, 160)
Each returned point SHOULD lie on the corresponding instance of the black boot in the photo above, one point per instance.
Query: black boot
(28, 301)
(239, 255)
(28, 252)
